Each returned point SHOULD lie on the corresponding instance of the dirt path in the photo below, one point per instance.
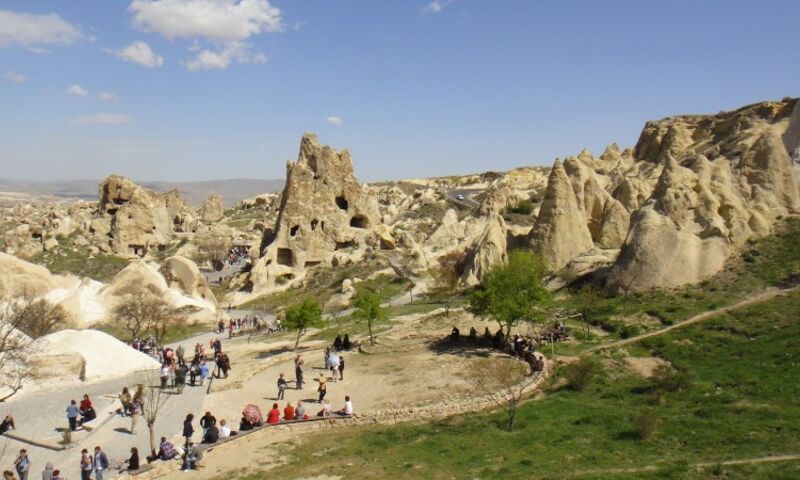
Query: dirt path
(761, 297)
(698, 465)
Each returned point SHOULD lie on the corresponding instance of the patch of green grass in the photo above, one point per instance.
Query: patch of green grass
(741, 402)
(67, 258)
(180, 332)
(774, 260)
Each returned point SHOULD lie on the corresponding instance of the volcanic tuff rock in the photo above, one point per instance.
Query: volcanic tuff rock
(488, 251)
(212, 210)
(326, 217)
(726, 178)
(606, 217)
(561, 231)
(183, 274)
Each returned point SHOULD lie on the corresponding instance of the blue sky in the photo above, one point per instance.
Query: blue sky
(225, 88)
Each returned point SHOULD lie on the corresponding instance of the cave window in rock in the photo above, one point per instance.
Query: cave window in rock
(268, 238)
(112, 211)
(137, 250)
(359, 221)
(341, 202)
(312, 263)
(347, 244)
(285, 256)
(322, 225)
(119, 201)
(314, 224)
(294, 230)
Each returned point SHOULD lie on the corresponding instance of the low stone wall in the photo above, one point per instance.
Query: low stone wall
(456, 405)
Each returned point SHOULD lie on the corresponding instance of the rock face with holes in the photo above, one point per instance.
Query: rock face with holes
(134, 221)
(326, 218)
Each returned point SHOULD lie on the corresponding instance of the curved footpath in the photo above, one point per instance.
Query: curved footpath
(457, 404)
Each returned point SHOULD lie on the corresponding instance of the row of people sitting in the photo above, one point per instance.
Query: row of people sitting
(252, 418)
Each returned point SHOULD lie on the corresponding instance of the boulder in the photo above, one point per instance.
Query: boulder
(183, 274)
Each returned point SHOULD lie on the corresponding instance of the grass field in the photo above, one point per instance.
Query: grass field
(741, 401)
(736, 397)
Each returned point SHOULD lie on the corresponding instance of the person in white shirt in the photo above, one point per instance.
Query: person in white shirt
(224, 431)
(348, 407)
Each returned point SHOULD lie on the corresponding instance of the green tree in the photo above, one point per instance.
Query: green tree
(367, 304)
(302, 316)
(512, 292)
(444, 287)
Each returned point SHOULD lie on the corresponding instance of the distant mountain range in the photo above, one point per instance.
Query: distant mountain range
(232, 190)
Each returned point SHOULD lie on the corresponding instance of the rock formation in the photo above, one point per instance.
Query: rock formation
(134, 220)
(606, 217)
(326, 217)
(183, 274)
(212, 210)
(488, 251)
(561, 231)
(726, 178)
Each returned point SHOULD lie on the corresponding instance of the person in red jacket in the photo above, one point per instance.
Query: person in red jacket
(288, 412)
(274, 415)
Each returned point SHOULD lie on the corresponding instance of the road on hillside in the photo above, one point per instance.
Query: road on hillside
(464, 197)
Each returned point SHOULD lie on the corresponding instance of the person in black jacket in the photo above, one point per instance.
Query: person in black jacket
(133, 462)
(188, 429)
(207, 421)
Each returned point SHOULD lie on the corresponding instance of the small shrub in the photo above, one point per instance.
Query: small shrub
(524, 207)
(666, 378)
(628, 331)
(645, 425)
(579, 375)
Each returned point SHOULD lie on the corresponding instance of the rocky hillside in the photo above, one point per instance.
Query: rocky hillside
(667, 212)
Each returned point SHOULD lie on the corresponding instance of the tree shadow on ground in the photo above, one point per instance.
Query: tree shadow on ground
(462, 347)
(271, 353)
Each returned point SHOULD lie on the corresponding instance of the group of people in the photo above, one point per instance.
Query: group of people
(78, 415)
(516, 345)
(235, 255)
(96, 464)
(340, 344)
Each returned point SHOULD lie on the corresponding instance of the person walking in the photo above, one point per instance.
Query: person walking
(72, 415)
(341, 368)
(22, 464)
(86, 465)
(47, 473)
(203, 372)
(322, 388)
(298, 372)
(180, 352)
(282, 384)
(100, 463)
(188, 429)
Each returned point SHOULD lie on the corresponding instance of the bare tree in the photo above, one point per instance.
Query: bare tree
(144, 310)
(445, 279)
(505, 376)
(212, 246)
(14, 350)
(152, 403)
(37, 317)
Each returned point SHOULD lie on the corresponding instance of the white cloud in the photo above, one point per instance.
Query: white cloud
(221, 20)
(103, 119)
(76, 91)
(436, 6)
(334, 120)
(15, 77)
(139, 52)
(34, 30)
(220, 60)
(108, 96)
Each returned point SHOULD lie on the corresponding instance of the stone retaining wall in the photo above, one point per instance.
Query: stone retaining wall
(456, 405)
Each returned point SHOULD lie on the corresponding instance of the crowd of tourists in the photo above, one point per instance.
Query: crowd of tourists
(516, 345)
(96, 465)
(235, 255)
